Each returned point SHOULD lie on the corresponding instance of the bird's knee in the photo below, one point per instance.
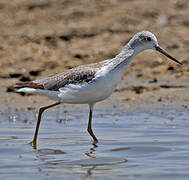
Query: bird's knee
(89, 130)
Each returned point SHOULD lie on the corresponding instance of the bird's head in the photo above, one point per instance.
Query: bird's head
(146, 40)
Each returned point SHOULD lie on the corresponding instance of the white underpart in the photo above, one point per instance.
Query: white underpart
(89, 93)
(51, 94)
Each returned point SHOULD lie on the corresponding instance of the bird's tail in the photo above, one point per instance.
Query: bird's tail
(28, 84)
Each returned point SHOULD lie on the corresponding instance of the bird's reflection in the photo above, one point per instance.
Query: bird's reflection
(91, 151)
(89, 165)
(90, 170)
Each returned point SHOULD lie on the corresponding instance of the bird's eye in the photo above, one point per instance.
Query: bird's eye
(149, 38)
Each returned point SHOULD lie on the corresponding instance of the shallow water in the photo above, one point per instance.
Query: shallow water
(140, 145)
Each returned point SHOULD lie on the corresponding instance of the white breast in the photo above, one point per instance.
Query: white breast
(99, 89)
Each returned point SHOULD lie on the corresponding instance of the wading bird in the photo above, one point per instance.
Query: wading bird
(91, 83)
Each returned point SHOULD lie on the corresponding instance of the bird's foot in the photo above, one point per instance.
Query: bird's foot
(33, 144)
(95, 142)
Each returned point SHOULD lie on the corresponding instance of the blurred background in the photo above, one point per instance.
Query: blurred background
(42, 37)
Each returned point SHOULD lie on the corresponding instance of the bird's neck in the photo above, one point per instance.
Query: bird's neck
(124, 58)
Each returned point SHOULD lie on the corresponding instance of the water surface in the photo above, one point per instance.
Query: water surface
(140, 145)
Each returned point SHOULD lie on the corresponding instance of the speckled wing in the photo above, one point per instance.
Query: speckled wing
(73, 76)
(78, 75)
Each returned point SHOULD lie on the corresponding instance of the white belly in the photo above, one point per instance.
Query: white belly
(88, 93)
